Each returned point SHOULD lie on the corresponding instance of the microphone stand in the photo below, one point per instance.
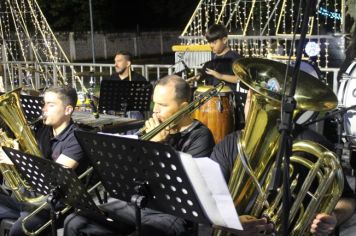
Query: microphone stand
(91, 99)
(338, 114)
(286, 125)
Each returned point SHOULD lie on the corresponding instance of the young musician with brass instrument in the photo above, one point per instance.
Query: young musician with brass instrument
(57, 142)
(225, 154)
(170, 95)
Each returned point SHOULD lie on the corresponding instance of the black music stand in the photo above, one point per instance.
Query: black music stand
(49, 178)
(31, 106)
(144, 173)
(122, 96)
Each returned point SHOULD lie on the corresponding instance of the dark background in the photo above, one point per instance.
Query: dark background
(118, 15)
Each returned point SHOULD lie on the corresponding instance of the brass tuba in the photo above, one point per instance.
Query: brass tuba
(11, 113)
(259, 141)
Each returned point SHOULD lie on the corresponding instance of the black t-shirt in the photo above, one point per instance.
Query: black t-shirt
(223, 65)
(134, 77)
(197, 140)
(226, 152)
(64, 143)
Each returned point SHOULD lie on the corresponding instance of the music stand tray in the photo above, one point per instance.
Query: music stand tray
(122, 96)
(47, 177)
(123, 163)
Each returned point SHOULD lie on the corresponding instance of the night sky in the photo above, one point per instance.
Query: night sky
(116, 15)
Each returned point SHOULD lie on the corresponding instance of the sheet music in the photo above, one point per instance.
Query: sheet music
(132, 136)
(212, 190)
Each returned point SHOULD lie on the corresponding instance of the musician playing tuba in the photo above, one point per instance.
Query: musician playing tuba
(225, 154)
(57, 142)
(171, 94)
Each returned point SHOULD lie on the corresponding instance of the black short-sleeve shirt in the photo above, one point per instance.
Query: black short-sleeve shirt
(134, 77)
(226, 152)
(197, 140)
(223, 65)
(64, 143)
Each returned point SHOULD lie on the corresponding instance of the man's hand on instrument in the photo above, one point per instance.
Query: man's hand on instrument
(192, 79)
(251, 226)
(152, 123)
(214, 73)
(254, 226)
(323, 224)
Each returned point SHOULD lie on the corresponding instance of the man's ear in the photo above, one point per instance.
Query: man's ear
(225, 40)
(69, 110)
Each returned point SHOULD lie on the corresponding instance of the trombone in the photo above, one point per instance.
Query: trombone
(200, 100)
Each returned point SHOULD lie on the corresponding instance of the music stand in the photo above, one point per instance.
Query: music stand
(49, 178)
(31, 106)
(122, 96)
(143, 172)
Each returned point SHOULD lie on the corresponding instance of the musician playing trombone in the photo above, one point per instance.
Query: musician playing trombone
(225, 154)
(171, 94)
(57, 142)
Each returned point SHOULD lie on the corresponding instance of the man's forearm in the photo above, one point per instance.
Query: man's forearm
(344, 209)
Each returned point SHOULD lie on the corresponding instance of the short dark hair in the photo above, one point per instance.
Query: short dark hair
(67, 95)
(182, 88)
(126, 54)
(216, 31)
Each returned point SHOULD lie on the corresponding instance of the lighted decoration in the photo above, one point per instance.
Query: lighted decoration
(332, 15)
(255, 27)
(25, 36)
(312, 49)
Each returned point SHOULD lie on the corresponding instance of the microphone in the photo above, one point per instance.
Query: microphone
(93, 107)
(186, 68)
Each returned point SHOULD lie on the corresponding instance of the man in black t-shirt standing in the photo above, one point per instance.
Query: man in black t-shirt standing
(123, 71)
(57, 142)
(170, 95)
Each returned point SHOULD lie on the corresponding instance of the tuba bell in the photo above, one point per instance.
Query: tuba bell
(11, 113)
(258, 144)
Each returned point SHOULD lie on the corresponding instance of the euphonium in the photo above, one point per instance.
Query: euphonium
(259, 141)
(11, 113)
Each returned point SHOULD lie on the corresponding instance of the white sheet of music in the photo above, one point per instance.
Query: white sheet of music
(211, 188)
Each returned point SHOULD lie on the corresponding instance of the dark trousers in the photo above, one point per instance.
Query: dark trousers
(10, 208)
(153, 222)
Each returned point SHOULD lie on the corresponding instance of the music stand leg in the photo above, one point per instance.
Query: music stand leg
(140, 201)
(52, 201)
